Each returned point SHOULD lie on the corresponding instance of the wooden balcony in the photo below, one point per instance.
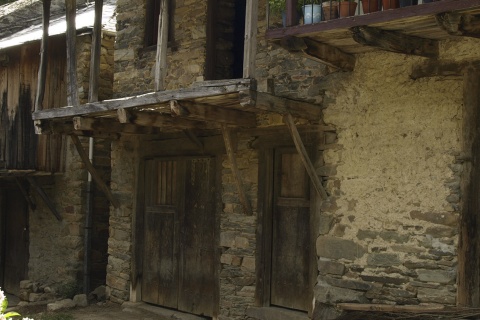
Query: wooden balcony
(413, 30)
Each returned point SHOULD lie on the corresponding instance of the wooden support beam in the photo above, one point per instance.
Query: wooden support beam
(111, 126)
(270, 103)
(206, 112)
(42, 70)
(250, 44)
(95, 53)
(457, 24)
(52, 127)
(44, 196)
(321, 52)
(30, 200)
(96, 177)
(227, 137)
(395, 41)
(159, 120)
(72, 93)
(297, 140)
(162, 41)
(291, 18)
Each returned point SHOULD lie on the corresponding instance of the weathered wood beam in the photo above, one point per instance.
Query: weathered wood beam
(72, 92)
(321, 52)
(110, 125)
(250, 44)
(42, 70)
(297, 140)
(227, 137)
(52, 127)
(162, 41)
(439, 68)
(155, 119)
(291, 13)
(96, 177)
(270, 103)
(44, 196)
(395, 41)
(30, 200)
(206, 112)
(213, 88)
(95, 53)
(457, 24)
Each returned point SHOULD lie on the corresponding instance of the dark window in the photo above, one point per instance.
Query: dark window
(151, 22)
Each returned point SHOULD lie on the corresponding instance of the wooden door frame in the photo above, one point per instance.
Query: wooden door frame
(168, 149)
(265, 214)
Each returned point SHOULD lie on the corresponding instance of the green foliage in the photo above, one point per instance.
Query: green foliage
(278, 6)
(56, 316)
(69, 290)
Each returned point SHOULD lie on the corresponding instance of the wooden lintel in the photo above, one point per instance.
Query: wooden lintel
(159, 120)
(297, 140)
(395, 41)
(96, 177)
(103, 125)
(206, 112)
(29, 199)
(227, 137)
(439, 68)
(270, 103)
(456, 24)
(44, 196)
(321, 52)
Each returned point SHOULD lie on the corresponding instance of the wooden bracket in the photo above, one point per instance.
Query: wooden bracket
(93, 172)
(395, 41)
(321, 52)
(227, 137)
(104, 125)
(28, 198)
(44, 196)
(297, 140)
(459, 24)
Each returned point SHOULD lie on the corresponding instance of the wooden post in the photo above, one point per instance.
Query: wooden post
(162, 42)
(28, 198)
(297, 140)
(250, 48)
(72, 93)
(227, 137)
(42, 70)
(291, 11)
(93, 172)
(95, 53)
(45, 197)
(468, 294)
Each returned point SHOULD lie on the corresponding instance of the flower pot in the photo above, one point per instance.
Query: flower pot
(389, 4)
(284, 19)
(406, 3)
(347, 8)
(370, 6)
(312, 13)
(330, 10)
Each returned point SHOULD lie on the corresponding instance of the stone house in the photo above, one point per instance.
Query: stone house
(295, 172)
(43, 184)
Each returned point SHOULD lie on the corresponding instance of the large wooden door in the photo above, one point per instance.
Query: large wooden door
(14, 239)
(291, 255)
(179, 240)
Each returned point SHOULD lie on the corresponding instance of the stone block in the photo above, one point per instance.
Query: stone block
(249, 263)
(383, 259)
(335, 248)
(61, 305)
(440, 295)
(345, 283)
(80, 300)
(330, 267)
(438, 276)
(445, 218)
(384, 279)
(331, 295)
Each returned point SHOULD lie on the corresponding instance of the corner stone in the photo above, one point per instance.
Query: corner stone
(335, 248)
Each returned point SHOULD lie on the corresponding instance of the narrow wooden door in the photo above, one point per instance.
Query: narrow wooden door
(291, 255)
(14, 239)
(179, 240)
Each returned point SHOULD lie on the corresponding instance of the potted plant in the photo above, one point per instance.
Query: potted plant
(347, 8)
(330, 9)
(312, 12)
(369, 6)
(278, 7)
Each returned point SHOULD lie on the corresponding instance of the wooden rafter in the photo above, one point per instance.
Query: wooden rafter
(155, 119)
(297, 140)
(110, 125)
(227, 137)
(44, 196)
(96, 177)
(72, 92)
(42, 70)
(321, 52)
(395, 41)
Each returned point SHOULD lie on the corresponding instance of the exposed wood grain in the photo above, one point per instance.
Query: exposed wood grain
(44, 197)
(250, 46)
(96, 177)
(395, 41)
(72, 83)
(162, 41)
(42, 70)
(165, 121)
(95, 53)
(304, 156)
(110, 125)
(227, 137)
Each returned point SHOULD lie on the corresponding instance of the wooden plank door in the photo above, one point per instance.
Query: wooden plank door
(291, 256)
(15, 240)
(179, 240)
